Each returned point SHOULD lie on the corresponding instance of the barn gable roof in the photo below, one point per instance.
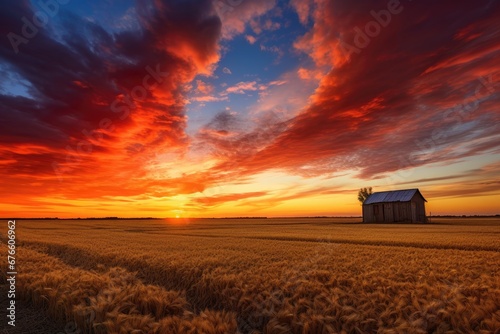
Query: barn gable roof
(392, 196)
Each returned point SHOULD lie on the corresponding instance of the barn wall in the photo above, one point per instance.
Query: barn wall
(420, 208)
(403, 212)
(378, 212)
(388, 212)
(396, 211)
(368, 214)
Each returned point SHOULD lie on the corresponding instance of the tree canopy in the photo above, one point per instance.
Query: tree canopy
(363, 194)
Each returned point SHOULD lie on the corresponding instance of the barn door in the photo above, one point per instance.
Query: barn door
(413, 212)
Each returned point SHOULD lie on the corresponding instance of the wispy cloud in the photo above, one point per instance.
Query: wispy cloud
(242, 87)
(251, 39)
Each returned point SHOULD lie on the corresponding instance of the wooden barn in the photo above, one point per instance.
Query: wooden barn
(395, 206)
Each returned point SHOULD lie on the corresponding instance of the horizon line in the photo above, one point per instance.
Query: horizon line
(235, 217)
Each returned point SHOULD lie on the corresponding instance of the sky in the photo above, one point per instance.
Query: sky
(226, 108)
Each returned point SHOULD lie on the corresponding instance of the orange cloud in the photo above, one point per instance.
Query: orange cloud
(222, 199)
(251, 39)
(204, 88)
(306, 74)
(303, 8)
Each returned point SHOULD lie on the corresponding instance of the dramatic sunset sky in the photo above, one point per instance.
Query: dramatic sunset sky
(210, 108)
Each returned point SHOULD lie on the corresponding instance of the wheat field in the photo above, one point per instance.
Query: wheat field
(296, 275)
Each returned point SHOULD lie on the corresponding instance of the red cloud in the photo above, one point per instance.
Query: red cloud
(102, 105)
(410, 97)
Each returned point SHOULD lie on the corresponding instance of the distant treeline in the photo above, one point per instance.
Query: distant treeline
(89, 218)
(465, 216)
(308, 217)
(239, 218)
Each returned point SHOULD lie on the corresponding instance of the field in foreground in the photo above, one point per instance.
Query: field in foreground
(262, 275)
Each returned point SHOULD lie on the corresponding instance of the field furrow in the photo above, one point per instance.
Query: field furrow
(110, 300)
